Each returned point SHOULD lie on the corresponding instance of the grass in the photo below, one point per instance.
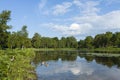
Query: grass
(16, 64)
(102, 50)
(55, 49)
(104, 54)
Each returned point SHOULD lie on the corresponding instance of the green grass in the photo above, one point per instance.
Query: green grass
(104, 54)
(55, 49)
(18, 68)
(102, 50)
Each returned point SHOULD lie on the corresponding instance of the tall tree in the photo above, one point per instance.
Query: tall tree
(23, 36)
(89, 42)
(62, 42)
(55, 42)
(4, 18)
(117, 39)
(81, 44)
(99, 41)
(36, 40)
(71, 42)
(108, 37)
(12, 40)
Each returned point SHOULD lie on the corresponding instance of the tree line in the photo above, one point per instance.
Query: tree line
(20, 38)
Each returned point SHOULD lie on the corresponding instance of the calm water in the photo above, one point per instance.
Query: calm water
(76, 66)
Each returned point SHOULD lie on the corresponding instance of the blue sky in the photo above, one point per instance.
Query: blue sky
(79, 18)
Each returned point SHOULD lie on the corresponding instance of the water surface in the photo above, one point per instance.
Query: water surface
(74, 65)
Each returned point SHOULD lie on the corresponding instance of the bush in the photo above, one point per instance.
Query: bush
(15, 64)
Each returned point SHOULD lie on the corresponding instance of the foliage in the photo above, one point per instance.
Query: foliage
(4, 18)
(36, 40)
(15, 64)
(106, 40)
(20, 38)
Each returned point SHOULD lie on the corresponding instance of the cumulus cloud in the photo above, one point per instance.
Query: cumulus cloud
(89, 24)
(110, 20)
(62, 8)
(72, 29)
(87, 21)
(106, 21)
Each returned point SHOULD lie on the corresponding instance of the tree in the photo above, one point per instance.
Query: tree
(71, 42)
(4, 18)
(99, 41)
(36, 40)
(89, 42)
(22, 35)
(81, 44)
(108, 37)
(116, 39)
(55, 42)
(23, 32)
(62, 42)
(12, 40)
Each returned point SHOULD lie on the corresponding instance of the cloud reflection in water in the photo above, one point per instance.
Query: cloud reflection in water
(77, 70)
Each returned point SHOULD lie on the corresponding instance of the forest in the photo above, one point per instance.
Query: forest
(20, 38)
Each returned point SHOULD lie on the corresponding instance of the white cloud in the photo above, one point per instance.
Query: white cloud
(70, 30)
(88, 7)
(62, 8)
(85, 8)
(88, 21)
(110, 20)
(89, 24)
(104, 22)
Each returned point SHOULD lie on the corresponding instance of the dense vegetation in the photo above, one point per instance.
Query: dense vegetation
(15, 64)
(20, 38)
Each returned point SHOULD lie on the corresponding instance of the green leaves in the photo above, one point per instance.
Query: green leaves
(19, 68)
(4, 18)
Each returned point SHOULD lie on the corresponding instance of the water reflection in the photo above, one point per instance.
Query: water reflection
(75, 66)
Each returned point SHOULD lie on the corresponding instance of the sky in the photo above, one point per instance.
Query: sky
(61, 18)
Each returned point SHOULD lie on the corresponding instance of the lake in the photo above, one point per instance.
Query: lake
(75, 65)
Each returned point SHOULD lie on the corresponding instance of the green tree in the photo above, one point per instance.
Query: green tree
(89, 42)
(99, 41)
(22, 35)
(4, 18)
(36, 40)
(81, 44)
(108, 37)
(55, 42)
(12, 39)
(71, 42)
(46, 42)
(116, 39)
(62, 42)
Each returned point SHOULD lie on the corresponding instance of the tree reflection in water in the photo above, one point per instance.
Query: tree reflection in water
(44, 56)
(72, 65)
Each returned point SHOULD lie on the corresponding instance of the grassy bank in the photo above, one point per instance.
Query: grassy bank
(102, 50)
(16, 64)
(103, 54)
(55, 49)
